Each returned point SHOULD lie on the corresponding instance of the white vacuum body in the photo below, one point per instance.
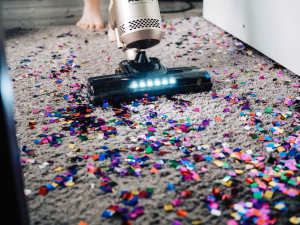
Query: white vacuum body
(138, 23)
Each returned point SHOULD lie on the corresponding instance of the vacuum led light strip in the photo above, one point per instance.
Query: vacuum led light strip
(150, 83)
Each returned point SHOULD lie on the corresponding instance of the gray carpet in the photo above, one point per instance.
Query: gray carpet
(70, 205)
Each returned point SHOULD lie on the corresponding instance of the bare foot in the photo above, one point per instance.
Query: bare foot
(91, 18)
(111, 34)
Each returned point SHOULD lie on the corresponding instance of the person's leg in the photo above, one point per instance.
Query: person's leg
(111, 32)
(91, 18)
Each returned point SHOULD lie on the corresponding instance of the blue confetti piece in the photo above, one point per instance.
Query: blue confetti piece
(119, 122)
(36, 142)
(207, 76)
(208, 158)
(292, 152)
(267, 138)
(282, 154)
(170, 187)
(107, 214)
(50, 187)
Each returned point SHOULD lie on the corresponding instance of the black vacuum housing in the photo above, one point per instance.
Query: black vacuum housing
(144, 75)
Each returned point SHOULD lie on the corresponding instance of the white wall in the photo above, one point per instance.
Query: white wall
(271, 26)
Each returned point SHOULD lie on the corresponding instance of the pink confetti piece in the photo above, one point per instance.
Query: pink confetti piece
(196, 135)
(48, 108)
(108, 59)
(196, 110)
(35, 111)
(89, 166)
(203, 169)
(296, 85)
(45, 128)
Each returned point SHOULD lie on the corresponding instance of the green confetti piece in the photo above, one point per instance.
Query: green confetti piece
(243, 82)
(112, 183)
(83, 138)
(257, 196)
(277, 169)
(297, 198)
(254, 184)
(283, 177)
(149, 190)
(292, 182)
(254, 136)
(130, 170)
(148, 149)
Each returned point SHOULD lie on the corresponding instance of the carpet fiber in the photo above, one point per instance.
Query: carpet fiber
(229, 63)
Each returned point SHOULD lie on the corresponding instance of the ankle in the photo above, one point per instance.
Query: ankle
(91, 3)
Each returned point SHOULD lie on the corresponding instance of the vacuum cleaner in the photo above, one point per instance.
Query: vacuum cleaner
(138, 26)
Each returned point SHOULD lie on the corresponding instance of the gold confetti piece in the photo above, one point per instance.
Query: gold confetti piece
(218, 163)
(294, 220)
(77, 150)
(239, 171)
(243, 118)
(134, 192)
(215, 60)
(71, 146)
(268, 194)
(91, 138)
(276, 174)
(280, 149)
(196, 222)
(63, 122)
(168, 207)
(272, 183)
(233, 155)
(298, 178)
(69, 184)
(58, 169)
(205, 146)
(54, 184)
(279, 206)
(217, 151)
(233, 214)
(83, 64)
(228, 183)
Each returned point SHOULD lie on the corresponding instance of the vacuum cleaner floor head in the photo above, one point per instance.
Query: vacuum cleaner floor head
(135, 78)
